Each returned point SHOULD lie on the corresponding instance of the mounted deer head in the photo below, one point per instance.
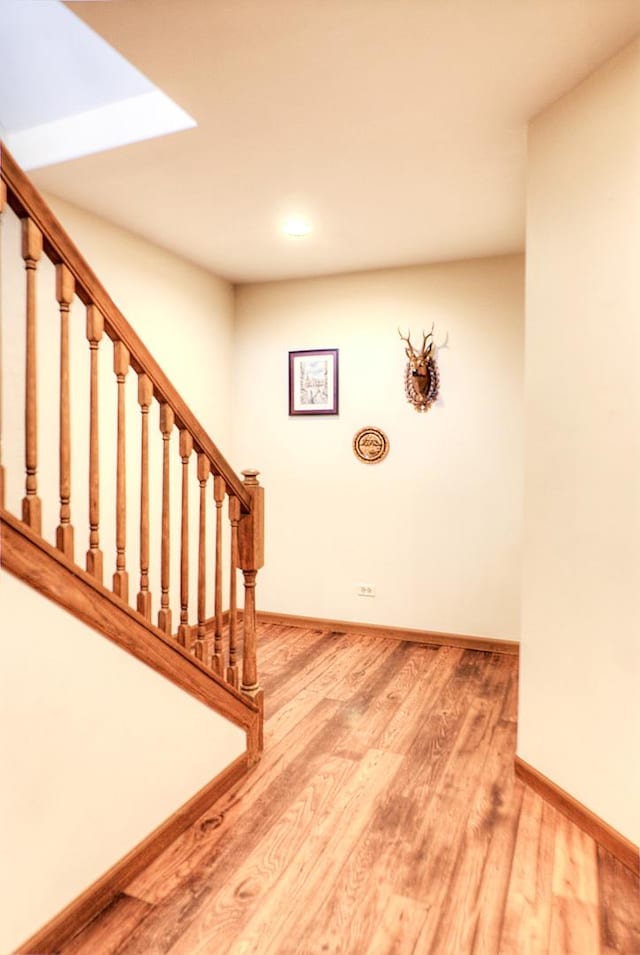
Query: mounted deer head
(421, 375)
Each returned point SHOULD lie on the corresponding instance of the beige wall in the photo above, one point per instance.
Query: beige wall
(96, 751)
(183, 314)
(185, 317)
(92, 742)
(436, 526)
(579, 717)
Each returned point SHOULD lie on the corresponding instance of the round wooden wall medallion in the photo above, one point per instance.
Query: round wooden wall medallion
(370, 445)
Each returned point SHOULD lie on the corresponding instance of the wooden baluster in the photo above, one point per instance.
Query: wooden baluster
(3, 202)
(250, 560)
(166, 427)
(204, 469)
(65, 290)
(121, 576)
(234, 517)
(184, 632)
(145, 397)
(95, 328)
(31, 503)
(219, 491)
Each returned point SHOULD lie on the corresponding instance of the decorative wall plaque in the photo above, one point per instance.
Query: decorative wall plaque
(370, 445)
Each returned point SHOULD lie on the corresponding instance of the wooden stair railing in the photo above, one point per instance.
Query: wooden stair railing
(202, 640)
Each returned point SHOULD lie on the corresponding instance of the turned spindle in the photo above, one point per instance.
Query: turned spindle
(166, 427)
(121, 576)
(145, 397)
(219, 491)
(95, 329)
(186, 447)
(65, 291)
(234, 517)
(31, 503)
(204, 469)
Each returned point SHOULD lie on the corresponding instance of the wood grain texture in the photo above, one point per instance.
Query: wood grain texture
(164, 613)
(41, 566)
(619, 904)
(121, 364)
(25, 201)
(184, 630)
(399, 926)
(574, 916)
(95, 557)
(65, 290)
(431, 637)
(217, 660)
(626, 851)
(251, 527)
(374, 825)
(204, 469)
(527, 916)
(31, 253)
(145, 397)
(246, 810)
(231, 671)
(250, 560)
(116, 922)
(405, 840)
(99, 897)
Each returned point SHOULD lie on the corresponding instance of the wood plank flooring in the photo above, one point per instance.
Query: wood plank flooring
(384, 818)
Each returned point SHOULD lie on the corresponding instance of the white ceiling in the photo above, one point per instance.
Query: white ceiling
(398, 126)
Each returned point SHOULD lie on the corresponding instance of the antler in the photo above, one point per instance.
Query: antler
(428, 343)
(425, 339)
(410, 350)
(406, 338)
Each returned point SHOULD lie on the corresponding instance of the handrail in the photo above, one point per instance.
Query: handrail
(26, 201)
(232, 658)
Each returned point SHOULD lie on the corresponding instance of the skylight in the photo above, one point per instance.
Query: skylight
(65, 92)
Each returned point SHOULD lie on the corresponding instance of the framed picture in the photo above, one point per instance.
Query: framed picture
(313, 381)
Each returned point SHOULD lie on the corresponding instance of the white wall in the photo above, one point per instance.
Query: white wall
(184, 316)
(579, 720)
(436, 526)
(96, 748)
(182, 313)
(96, 751)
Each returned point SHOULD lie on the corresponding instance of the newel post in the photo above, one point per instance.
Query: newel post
(250, 560)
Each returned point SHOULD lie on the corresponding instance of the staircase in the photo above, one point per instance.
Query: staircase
(177, 609)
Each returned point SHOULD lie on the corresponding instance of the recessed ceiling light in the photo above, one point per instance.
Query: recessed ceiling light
(296, 226)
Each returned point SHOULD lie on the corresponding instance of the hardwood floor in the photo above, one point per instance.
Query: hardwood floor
(384, 818)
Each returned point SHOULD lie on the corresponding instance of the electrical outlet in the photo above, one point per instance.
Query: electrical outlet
(366, 590)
